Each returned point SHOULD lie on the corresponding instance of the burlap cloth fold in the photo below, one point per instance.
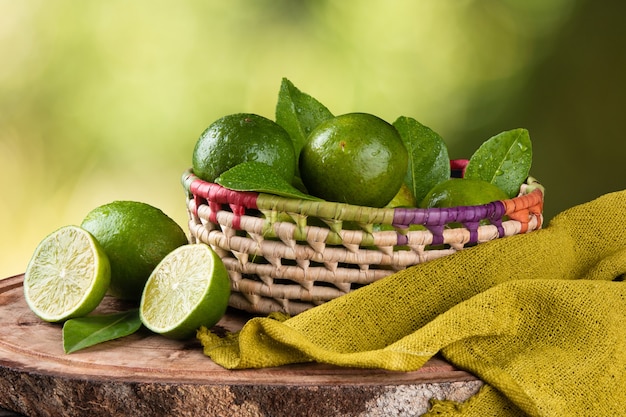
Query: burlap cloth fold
(540, 318)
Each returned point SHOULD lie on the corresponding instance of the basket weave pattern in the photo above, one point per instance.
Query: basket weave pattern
(290, 255)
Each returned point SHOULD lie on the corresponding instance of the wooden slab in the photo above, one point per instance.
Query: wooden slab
(146, 374)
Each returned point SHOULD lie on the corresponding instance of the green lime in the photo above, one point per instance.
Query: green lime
(67, 276)
(355, 158)
(136, 237)
(403, 198)
(462, 192)
(243, 137)
(189, 288)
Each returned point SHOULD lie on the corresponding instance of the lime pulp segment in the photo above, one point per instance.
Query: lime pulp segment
(189, 288)
(67, 275)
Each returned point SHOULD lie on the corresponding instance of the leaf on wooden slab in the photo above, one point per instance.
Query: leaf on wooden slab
(82, 332)
(429, 163)
(503, 160)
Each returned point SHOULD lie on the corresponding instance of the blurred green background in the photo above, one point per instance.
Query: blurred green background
(104, 100)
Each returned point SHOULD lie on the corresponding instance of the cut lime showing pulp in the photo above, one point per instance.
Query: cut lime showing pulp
(188, 289)
(67, 276)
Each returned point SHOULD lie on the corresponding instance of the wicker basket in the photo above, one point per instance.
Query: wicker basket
(290, 255)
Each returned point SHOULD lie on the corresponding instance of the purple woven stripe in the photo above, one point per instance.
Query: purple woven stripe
(436, 218)
(402, 239)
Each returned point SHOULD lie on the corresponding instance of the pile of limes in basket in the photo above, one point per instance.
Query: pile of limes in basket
(354, 158)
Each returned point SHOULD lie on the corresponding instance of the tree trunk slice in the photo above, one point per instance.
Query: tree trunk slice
(148, 375)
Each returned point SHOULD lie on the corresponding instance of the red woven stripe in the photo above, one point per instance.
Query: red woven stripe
(218, 194)
(457, 167)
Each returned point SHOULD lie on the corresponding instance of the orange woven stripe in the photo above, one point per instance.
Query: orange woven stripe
(520, 208)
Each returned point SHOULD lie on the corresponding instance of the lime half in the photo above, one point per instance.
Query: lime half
(67, 276)
(189, 288)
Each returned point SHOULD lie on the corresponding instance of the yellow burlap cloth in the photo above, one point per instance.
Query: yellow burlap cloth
(540, 318)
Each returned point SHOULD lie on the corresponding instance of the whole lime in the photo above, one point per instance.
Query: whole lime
(243, 137)
(404, 198)
(135, 237)
(355, 158)
(462, 192)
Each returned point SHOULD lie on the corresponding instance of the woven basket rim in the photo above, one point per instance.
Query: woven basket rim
(530, 198)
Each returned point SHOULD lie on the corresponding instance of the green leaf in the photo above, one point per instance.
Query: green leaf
(429, 163)
(503, 160)
(298, 113)
(87, 331)
(259, 177)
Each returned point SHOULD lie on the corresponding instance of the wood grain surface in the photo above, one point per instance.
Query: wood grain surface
(146, 374)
